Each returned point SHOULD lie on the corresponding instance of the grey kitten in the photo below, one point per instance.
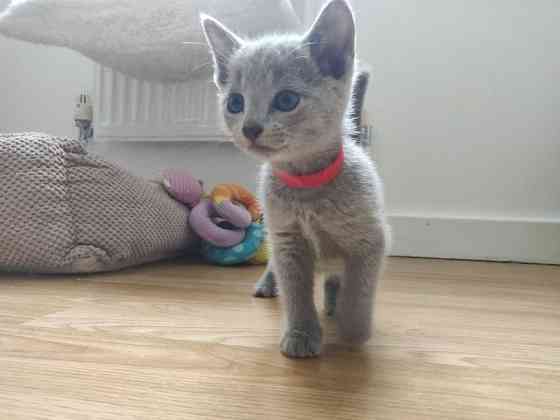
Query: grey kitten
(266, 287)
(285, 100)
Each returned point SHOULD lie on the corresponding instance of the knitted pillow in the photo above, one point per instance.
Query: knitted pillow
(64, 211)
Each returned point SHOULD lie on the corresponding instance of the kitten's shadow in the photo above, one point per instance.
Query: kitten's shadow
(353, 374)
(341, 379)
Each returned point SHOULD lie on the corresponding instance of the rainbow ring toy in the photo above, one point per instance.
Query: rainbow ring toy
(252, 249)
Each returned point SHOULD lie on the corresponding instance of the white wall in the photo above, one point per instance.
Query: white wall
(211, 162)
(465, 102)
(39, 85)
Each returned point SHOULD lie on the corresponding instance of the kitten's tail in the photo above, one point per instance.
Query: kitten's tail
(359, 90)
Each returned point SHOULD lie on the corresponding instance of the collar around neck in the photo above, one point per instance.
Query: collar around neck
(315, 180)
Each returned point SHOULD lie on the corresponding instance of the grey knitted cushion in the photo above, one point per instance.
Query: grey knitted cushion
(64, 211)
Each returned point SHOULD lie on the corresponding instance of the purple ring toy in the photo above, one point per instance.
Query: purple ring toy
(202, 218)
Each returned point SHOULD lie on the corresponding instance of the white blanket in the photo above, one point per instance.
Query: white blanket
(147, 39)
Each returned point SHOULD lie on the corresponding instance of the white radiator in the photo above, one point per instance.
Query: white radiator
(127, 109)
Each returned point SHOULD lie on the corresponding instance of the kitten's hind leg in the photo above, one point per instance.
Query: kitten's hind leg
(332, 284)
(266, 286)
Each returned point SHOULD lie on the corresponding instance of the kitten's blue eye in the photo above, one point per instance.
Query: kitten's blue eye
(286, 101)
(235, 103)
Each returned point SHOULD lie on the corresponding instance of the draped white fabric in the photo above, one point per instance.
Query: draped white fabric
(147, 39)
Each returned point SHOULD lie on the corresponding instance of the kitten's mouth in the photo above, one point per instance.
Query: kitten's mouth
(264, 150)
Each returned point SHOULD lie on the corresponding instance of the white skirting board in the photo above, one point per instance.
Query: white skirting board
(519, 240)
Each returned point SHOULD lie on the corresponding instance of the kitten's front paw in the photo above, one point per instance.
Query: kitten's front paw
(266, 286)
(301, 343)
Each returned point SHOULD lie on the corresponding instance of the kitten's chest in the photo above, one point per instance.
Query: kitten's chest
(314, 227)
(313, 220)
(312, 214)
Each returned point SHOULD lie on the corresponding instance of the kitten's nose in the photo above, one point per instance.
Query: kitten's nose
(253, 131)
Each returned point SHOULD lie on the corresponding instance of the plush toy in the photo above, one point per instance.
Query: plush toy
(183, 187)
(251, 249)
(236, 205)
(225, 197)
(229, 219)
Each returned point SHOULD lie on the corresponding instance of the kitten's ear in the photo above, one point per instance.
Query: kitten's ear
(331, 39)
(223, 43)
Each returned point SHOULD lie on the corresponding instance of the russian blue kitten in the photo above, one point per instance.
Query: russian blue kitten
(285, 100)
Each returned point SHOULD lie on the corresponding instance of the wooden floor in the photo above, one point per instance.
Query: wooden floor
(455, 340)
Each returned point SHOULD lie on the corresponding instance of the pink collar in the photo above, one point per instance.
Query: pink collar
(316, 180)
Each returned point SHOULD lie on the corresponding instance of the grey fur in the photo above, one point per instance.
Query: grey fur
(266, 286)
(339, 228)
(359, 90)
(332, 285)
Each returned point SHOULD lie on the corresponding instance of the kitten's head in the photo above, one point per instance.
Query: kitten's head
(284, 97)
